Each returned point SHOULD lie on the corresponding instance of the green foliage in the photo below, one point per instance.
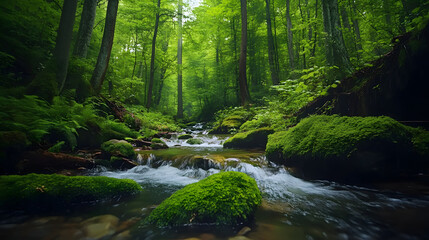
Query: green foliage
(113, 129)
(226, 198)
(57, 147)
(322, 136)
(154, 120)
(229, 120)
(118, 148)
(251, 139)
(35, 191)
(194, 141)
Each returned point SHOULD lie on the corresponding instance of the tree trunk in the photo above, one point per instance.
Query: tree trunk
(242, 79)
(356, 29)
(179, 65)
(336, 53)
(85, 28)
(106, 46)
(135, 54)
(313, 52)
(152, 59)
(63, 42)
(289, 37)
(271, 50)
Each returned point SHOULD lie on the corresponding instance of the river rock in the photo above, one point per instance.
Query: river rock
(252, 139)
(226, 198)
(185, 136)
(119, 148)
(100, 226)
(244, 231)
(350, 149)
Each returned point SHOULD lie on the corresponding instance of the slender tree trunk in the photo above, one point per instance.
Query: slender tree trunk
(85, 28)
(244, 91)
(356, 28)
(271, 50)
(313, 52)
(289, 37)
(106, 46)
(387, 11)
(276, 49)
(135, 55)
(336, 53)
(179, 66)
(152, 59)
(235, 61)
(63, 42)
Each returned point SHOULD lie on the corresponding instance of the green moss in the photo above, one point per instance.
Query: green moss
(350, 145)
(118, 147)
(226, 198)
(51, 191)
(194, 141)
(251, 139)
(185, 136)
(157, 140)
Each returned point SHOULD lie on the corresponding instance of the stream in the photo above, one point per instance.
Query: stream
(292, 208)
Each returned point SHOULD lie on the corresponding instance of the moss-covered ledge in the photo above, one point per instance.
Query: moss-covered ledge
(251, 139)
(43, 191)
(226, 198)
(350, 148)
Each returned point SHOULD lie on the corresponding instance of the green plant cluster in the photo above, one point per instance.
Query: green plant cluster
(52, 191)
(61, 120)
(323, 136)
(251, 139)
(184, 136)
(154, 122)
(226, 198)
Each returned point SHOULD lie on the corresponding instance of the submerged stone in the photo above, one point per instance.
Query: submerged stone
(226, 198)
(252, 139)
(350, 148)
(41, 191)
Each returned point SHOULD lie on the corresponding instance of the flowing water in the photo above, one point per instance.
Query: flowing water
(292, 208)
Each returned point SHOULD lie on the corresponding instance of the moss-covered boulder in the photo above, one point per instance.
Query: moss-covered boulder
(252, 139)
(185, 136)
(158, 144)
(194, 141)
(226, 198)
(41, 191)
(116, 147)
(228, 125)
(350, 148)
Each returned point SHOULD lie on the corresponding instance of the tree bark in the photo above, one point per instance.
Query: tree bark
(271, 48)
(242, 79)
(152, 59)
(85, 28)
(64, 38)
(336, 53)
(289, 36)
(179, 65)
(106, 46)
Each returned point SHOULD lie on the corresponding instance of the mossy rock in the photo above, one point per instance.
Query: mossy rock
(228, 125)
(158, 144)
(185, 136)
(194, 141)
(42, 191)
(226, 198)
(252, 139)
(350, 148)
(116, 147)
